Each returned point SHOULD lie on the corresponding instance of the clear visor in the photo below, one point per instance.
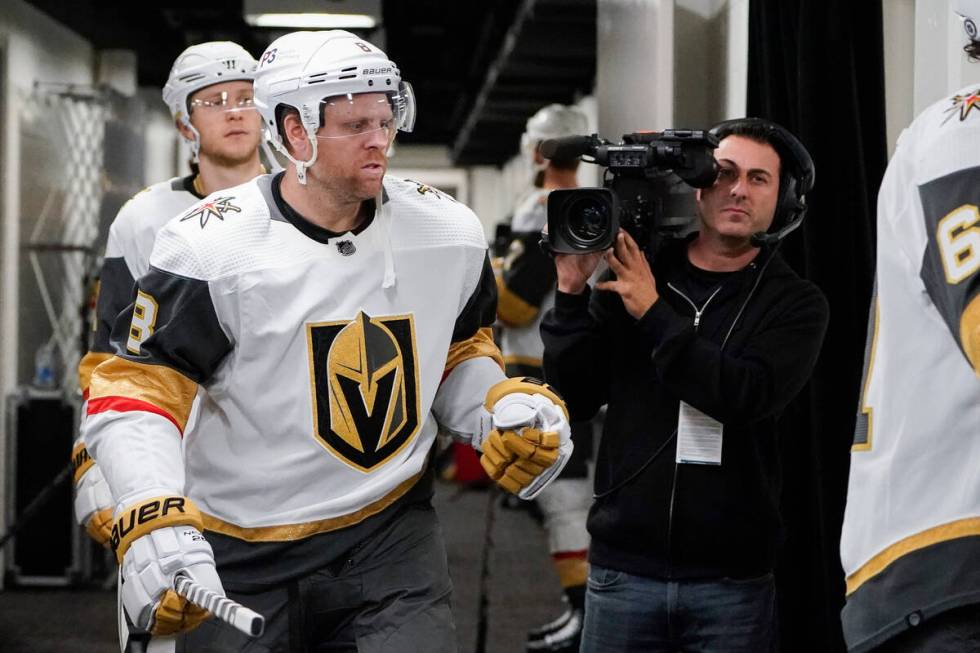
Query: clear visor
(224, 102)
(364, 114)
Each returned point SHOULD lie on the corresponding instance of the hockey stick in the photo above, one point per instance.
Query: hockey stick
(37, 503)
(231, 612)
(483, 606)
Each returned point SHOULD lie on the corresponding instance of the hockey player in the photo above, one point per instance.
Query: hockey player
(209, 94)
(910, 545)
(526, 287)
(329, 315)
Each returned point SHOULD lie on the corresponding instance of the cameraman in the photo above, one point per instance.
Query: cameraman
(696, 356)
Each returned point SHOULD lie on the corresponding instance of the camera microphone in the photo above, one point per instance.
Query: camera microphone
(762, 238)
(568, 147)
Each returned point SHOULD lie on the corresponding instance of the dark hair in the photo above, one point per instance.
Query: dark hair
(972, 50)
(755, 131)
(564, 164)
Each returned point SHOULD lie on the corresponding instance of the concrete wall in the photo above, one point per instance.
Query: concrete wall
(679, 63)
(635, 66)
(899, 32)
(711, 60)
(932, 68)
(33, 48)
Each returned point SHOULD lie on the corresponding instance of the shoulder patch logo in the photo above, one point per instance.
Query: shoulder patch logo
(365, 379)
(424, 189)
(216, 208)
(963, 104)
(346, 247)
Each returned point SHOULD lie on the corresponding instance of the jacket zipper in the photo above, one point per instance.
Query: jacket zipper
(698, 312)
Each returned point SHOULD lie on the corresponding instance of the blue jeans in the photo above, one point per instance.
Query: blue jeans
(624, 613)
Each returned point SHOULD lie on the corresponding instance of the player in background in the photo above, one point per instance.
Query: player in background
(526, 287)
(209, 94)
(302, 307)
(910, 544)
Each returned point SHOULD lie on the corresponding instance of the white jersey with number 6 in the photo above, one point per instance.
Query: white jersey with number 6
(911, 535)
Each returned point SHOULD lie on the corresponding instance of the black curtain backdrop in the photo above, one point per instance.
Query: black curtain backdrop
(816, 67)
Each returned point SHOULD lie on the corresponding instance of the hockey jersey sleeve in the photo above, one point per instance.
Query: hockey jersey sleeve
(473, 363)
(951, 261)
(528, 275)
(166, 342)
(116, 287)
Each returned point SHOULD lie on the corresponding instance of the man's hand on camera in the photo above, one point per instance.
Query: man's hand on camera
(574, 270)
(634, 280)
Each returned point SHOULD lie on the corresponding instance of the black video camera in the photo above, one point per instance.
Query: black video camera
(647, 189)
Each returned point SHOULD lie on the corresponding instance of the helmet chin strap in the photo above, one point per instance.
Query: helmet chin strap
(301, 166)
(196, 141)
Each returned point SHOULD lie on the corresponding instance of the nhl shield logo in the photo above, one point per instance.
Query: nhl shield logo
(365, 387)
(346, 247)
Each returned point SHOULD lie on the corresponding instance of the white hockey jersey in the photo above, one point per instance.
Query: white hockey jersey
(127, 258)
(322, 358)
(527, 288)
(910, 545)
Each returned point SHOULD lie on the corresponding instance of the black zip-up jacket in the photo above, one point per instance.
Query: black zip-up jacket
(670, 520)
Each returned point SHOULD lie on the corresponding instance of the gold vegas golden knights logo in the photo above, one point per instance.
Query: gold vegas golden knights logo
(365, 387)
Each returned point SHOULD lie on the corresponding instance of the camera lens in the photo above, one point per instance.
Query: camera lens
(588, 220)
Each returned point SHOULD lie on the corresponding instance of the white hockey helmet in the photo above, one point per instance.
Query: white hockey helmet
(302, 69)
(200, 66)
(969, 11)
(553, 121)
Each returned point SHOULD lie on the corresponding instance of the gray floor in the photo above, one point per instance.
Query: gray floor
(522, 588)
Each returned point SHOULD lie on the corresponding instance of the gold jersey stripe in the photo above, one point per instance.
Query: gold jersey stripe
(935, 535)
(87, 365)
(970, 332)
(292, 532)
(81, 460)
(572, 571)
(512, 309)
(158, 385)
(480, 344)
(198, 185)
(524, 385)
(517, 359)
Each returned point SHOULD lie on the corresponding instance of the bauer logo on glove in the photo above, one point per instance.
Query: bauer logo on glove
(141, 515)
(530, 440)
(157, 539)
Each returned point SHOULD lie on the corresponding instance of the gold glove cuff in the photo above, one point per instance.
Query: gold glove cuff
(139, 519)
(526, 385)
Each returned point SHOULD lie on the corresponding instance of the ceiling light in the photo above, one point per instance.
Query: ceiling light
(312, 21)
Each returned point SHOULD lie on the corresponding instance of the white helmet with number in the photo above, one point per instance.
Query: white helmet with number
(969, 11)
(200, 66)
(302, 69)
(553, 121)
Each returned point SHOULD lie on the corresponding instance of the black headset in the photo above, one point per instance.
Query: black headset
(796, 179)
